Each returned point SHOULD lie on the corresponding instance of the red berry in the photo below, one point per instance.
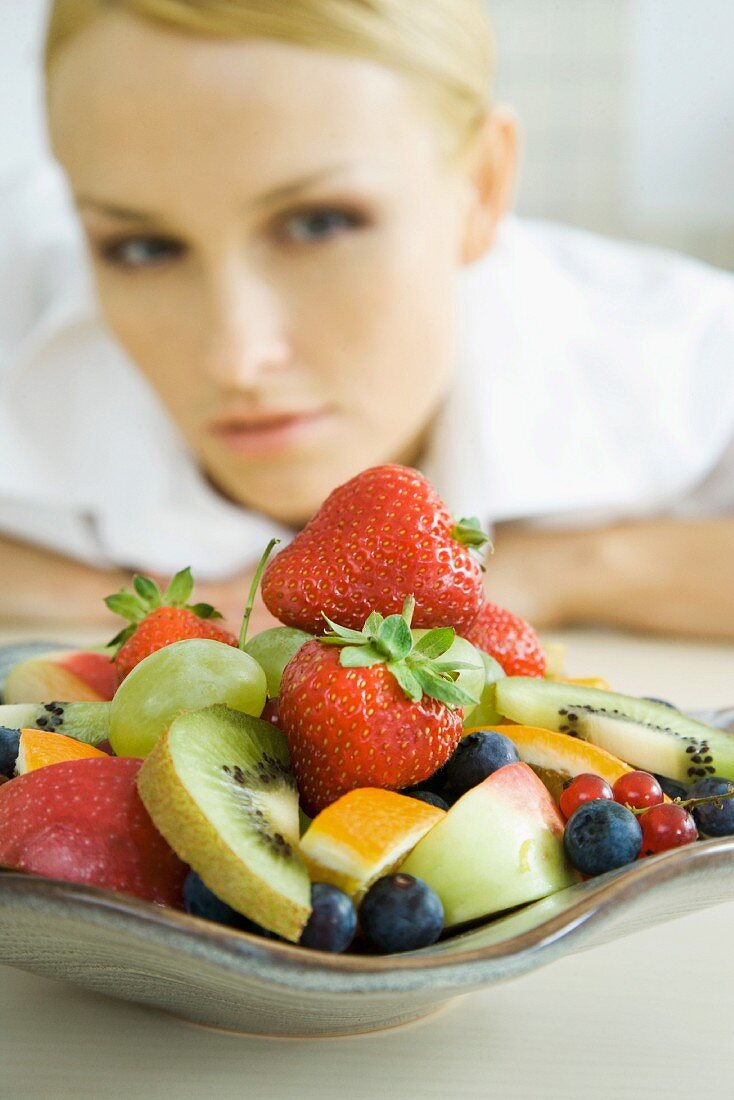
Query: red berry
(380, 537)
(509, 639)
(355, 727)
(158, 619)
(583, 788)
(666, 826)
(638, 790)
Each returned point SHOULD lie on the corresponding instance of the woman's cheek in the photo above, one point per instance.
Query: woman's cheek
(153, 326)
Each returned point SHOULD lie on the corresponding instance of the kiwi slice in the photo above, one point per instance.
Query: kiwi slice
(88, 722)
(647, 735)
(219, 787)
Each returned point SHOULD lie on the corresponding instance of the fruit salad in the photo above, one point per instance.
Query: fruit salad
(395, 762)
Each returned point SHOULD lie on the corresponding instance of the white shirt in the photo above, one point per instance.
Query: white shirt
(595, 381)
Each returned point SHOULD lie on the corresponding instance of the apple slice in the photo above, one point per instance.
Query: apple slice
(83, 821)
(499, 846)
(78, 676)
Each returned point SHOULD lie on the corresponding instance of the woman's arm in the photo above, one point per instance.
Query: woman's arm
(40, 586)
(665, 576)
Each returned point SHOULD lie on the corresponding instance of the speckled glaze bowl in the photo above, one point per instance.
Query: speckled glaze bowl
(202, 972)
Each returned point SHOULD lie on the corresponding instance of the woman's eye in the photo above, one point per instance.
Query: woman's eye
(320, 225)
(138, 252)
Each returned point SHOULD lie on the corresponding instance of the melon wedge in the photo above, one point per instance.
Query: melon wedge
(499, 846)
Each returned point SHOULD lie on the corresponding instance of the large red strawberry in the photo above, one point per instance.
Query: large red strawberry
(509, 639)
(158, 619)
(369, 709)
(376, 539)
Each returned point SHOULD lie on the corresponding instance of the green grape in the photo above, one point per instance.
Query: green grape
(273, 649)
(180, 677)
(486, 714)
(470, 679)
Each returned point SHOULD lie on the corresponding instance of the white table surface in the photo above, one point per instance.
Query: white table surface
(650, 1015)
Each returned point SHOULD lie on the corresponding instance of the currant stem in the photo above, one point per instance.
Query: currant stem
(253, 592)
(687, 803)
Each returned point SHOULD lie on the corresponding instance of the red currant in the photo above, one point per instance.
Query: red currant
(638, 790)
(583, 788)
(666, 826)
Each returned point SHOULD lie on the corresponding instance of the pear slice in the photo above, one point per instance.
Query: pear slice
(218, 786)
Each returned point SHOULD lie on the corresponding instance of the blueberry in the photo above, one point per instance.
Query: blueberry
(672, 787)
(660, 702)
(713, 819)
(477, 756)
(401, 913)
(430, 797)
(9, 748)
(333, 919)
(200, 901)
(602, 835)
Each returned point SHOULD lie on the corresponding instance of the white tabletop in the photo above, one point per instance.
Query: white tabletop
(649, 1015)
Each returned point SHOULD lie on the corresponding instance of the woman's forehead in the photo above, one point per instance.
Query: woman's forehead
(125, 95)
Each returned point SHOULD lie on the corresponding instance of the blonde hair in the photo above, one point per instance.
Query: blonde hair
(444, 46)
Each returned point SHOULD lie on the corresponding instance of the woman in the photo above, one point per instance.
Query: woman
(295, 219)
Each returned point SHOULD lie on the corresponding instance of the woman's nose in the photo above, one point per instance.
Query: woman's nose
(245, 339)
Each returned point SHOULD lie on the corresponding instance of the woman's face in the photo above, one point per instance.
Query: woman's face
(276, 238)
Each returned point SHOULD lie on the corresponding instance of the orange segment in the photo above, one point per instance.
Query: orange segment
(38, 748)
(583, 681)
(556, 757)
(363, 835)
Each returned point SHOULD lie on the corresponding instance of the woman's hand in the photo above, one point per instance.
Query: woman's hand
(40, 587)
(662, 576)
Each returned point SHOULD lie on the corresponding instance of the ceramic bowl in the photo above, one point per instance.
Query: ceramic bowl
(208, 974)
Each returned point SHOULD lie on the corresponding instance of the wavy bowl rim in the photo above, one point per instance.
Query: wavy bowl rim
(235, 949)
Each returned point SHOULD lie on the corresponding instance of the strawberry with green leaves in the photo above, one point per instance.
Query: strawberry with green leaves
(159, 618)
(376, 539)
(370, 708)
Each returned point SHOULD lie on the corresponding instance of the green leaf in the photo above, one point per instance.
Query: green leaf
(356, 637)
(179, 590)
(454, 666)
(435, 642)
(443, 689)
(469, 532)
(205, 611)
(148, 591)
(408, 681)
(373, 624)
(363, 656)
(125, 604)
(119, 639)
(394, 638)
(408, 609)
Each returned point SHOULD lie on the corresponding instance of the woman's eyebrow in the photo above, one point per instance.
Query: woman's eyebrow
(112, 210)
(290, 190)
(280, 194)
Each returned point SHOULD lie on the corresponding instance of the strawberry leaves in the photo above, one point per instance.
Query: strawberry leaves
(147, 596)
(415, 666)
(468, 532)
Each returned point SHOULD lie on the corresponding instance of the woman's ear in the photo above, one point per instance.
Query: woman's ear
(491, 168)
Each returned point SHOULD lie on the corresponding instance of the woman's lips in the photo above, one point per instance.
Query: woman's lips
(260, 434)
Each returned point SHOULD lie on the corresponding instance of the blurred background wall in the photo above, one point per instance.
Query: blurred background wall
(627, 109)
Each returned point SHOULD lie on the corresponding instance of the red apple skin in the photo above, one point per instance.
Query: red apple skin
(94, 669)
(83, 821)
(76, 676)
